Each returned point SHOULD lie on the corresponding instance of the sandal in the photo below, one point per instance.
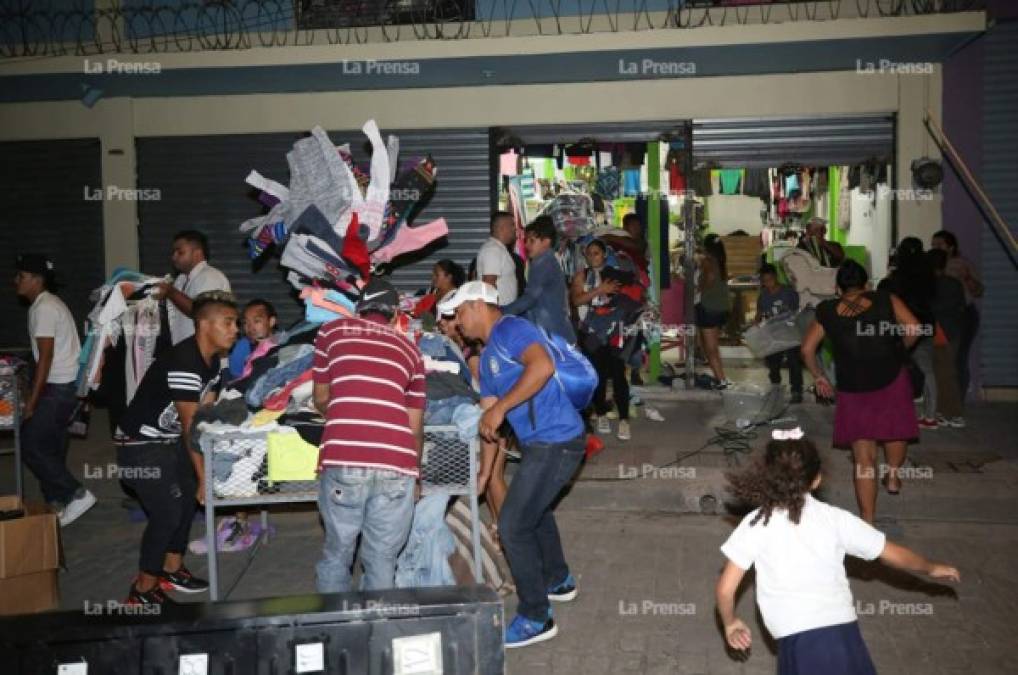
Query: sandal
(886, 480)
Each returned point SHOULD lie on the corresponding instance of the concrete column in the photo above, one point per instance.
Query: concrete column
(120, 216)
(917, 94)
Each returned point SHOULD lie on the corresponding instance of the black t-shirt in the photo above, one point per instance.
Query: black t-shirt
(178, 374)
(868, 351)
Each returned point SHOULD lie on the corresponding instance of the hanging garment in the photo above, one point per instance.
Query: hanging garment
(844, 199)
(354, 250)
(676, 181)
(731, 181)
(700, 182)
(793, 189)
(757, 184)
(319, 176)
(410, 239)
(630, 182)
(424, 560)
(372, 210)
(608, 182)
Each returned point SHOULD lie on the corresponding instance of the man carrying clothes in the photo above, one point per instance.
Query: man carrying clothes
(369, 384)
(190, 258)
(545, 301)
(51, 402)
(518, 384)
(155, 456)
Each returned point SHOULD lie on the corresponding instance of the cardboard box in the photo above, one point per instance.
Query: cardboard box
(29, 557)
(29, 593)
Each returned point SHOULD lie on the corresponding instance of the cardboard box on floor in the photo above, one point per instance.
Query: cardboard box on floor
(29, 557)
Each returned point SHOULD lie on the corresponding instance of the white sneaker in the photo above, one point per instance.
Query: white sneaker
(624, 433)
(76, 509)
(653, 414)
(957, 422)
(604, 425)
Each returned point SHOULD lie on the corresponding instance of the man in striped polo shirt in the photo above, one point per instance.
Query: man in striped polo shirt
(369, 383)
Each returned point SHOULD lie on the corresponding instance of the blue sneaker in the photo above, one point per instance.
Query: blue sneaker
(523, 631)
(564, 591)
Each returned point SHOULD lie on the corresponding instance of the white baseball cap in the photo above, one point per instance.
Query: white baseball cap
(472, 290)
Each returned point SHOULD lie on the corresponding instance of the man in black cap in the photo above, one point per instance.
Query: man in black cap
(51, 401)
(369, 384)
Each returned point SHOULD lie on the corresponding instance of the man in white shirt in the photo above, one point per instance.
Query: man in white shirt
(51, 401)
(190, 258)
(495, 265)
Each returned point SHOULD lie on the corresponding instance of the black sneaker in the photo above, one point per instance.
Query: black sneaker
(154, 596)
(182, 580)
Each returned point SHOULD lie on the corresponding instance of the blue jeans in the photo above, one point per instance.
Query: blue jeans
(374, 503)
(527, 527)
(44, 443)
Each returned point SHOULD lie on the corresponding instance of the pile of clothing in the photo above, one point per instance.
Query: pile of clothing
(13, 386)
(336, 221)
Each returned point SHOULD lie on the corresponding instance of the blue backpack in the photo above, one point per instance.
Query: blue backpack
(573, 371)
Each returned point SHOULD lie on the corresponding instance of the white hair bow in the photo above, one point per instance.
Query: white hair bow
(787, 434)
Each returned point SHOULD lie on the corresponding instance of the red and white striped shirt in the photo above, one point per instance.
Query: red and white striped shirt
(374, 375)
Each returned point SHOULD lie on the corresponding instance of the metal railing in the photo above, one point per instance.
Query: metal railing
(33, 29)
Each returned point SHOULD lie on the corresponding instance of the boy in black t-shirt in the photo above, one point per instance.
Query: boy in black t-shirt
(155, 456)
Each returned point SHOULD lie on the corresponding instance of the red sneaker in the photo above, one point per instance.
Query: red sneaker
(928, 423)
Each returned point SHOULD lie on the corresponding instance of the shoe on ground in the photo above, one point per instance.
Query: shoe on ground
(957, 422)
(611, 415)
(564, 591)
(928, 423)
(624, 432)
(523, 632)
(82, 502)
(153, 597)
(721, 385)
(183, 581)
(603, 425)
(653, 414)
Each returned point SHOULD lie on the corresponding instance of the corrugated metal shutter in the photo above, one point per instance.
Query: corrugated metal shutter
(999, 329)
(745, 142)
(814, 141)
(201, 179)
(45, 211)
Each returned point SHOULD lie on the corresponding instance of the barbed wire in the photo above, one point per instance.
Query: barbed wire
(33, 29)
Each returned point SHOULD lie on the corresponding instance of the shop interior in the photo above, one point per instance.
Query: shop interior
(757, 196)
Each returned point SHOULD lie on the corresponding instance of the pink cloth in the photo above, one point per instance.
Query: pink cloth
(261, 350)
(281, 398)
(410, 239)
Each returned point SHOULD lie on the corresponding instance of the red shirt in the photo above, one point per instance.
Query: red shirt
(375, 374)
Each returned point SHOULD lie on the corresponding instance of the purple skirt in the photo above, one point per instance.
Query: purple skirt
(883, 415)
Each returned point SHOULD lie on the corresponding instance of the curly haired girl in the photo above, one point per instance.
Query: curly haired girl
(798, 545)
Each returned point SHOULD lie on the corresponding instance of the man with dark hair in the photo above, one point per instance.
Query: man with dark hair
(496, 264)
(369, 384)
(545, 302)
(258, 321)
(190, 259)
(51, 401)
(776, 299)
(154, 450)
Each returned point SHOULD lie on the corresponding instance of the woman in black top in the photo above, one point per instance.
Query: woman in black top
(874, 394)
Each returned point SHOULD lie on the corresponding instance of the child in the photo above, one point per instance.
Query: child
(777, 299)
(798, 545)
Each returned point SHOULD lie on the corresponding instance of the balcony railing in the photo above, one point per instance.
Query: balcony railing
(77, 27)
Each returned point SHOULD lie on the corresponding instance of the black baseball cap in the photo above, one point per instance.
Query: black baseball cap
(378, 296)
(34, 263)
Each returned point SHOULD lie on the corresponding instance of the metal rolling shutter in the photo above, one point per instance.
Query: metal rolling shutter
(46, 212)
(999, 329)
(201, 179)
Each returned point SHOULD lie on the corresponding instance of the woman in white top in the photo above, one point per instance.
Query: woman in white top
(798, 545)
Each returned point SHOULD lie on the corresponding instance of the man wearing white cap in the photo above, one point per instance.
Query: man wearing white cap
(517, 385)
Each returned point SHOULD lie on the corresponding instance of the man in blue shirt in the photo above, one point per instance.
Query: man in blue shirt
(519, 385)
(545, 301)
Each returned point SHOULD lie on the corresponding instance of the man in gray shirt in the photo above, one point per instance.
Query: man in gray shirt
(190, 258)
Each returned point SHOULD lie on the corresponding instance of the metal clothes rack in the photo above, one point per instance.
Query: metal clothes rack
(10, 392)
(447, 465)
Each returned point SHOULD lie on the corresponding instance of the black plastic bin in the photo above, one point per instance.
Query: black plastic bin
(457, 630)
